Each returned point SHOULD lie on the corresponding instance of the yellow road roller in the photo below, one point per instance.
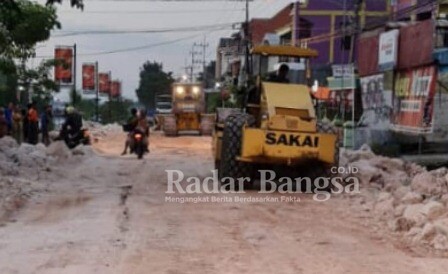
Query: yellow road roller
(276, 127)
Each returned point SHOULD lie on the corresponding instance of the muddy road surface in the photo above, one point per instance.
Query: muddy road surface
(108, 213)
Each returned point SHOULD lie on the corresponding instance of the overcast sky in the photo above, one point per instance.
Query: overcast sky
(174, 47)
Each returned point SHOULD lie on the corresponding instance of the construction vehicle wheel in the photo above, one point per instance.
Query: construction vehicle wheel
(231, 144)
(330, 129)
(169, 125)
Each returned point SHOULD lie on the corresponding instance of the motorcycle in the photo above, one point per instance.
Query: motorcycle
(138, 145)
(72, 140)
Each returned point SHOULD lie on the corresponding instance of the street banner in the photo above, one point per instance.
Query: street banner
(343, 71)
(376, 101)
(414, 99)
(372, 88)
(388, 50)
(104, 84)
(63, 71)
(115, 89)
(89, 78)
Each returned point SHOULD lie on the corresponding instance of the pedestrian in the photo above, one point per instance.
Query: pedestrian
(8, 116)
(33, 124)
(25, 124)
(3, 123)
(17, 125)
(46, 121)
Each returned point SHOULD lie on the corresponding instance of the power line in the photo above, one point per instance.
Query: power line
(150, 11)
(178, 29)
(133, 48)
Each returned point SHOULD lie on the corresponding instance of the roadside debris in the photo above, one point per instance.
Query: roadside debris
(410, 200)
(23, 168)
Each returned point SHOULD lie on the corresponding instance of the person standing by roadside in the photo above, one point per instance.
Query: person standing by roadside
(8, 116)
(3, 123)
(46, 125)
(17, 125)
(33, 124)
(25, 123)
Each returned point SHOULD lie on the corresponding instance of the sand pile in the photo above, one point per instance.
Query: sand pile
(99, 131)
(24, 169)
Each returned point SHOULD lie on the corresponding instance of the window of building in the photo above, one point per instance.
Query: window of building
(305, 30)
(442, 38)
(424, 16)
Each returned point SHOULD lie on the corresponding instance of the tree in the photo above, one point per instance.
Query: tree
(210, 75)
(8, 81)
(23, 24)
(115, 111)
(153, 81)
(74, 3)
(38, 82)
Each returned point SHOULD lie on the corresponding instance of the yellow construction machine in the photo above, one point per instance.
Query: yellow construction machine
(278, 128)
(188, 111)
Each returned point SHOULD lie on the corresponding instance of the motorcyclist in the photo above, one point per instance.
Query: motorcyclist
(72, 124)
(131, 124)
(143, 126)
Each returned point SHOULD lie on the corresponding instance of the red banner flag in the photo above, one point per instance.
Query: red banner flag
(104, 84)
(89, 78)
(115, 89)
(63, 72)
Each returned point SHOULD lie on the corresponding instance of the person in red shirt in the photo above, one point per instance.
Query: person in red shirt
(33, 124)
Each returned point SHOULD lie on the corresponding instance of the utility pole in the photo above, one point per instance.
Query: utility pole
(110, 97)
(296, 24)
(97, 93)
(74, 74)
(193, 53)
(203, 45)
(247, 42)
(355, 29)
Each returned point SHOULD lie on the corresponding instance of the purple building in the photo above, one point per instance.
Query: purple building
(321, 26)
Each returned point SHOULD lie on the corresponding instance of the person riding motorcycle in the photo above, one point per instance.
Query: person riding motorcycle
(72, 124)
(130, 126)
(143, 126)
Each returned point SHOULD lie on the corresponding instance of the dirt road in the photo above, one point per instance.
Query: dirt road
(108, 214)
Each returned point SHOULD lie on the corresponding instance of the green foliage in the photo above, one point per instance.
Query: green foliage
(38, 80)
(87, 107)
(153, 81)
(209, 80)
(24, 23)
(74, 3)
(215, 100)
(116, 111)
(8, 81)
